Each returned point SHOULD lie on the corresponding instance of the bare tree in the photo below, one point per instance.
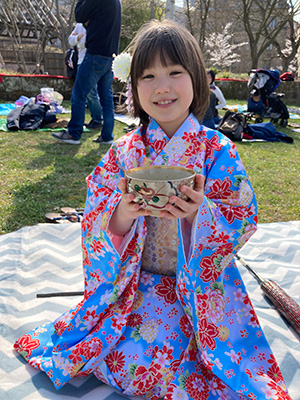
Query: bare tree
(170, 9)
(197, 13)
(134, 14)
(288, 51)
(263, 22)
(40, 20)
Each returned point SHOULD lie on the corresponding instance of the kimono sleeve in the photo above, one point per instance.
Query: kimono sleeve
(227, 216)
(103, 196)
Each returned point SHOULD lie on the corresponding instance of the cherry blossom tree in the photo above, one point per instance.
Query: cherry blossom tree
(220, 51)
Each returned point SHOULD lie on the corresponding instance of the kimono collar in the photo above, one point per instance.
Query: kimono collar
(168, 151)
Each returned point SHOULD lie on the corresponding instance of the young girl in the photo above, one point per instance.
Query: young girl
(165, 312)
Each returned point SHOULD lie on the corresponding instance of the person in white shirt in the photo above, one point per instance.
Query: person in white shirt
(221, 102)
(77, 38)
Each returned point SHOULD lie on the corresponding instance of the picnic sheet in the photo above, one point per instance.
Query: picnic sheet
(47, 258)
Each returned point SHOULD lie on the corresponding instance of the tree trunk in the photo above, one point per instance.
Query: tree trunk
(170, 9)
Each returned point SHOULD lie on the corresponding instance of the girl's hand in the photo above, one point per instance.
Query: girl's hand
(126, 212)
(186, 209)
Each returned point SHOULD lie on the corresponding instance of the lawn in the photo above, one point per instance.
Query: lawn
(39, 175)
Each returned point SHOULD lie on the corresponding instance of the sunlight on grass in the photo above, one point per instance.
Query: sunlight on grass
(39, 174)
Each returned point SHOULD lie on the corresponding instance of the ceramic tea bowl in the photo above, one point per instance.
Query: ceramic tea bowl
(153, 186)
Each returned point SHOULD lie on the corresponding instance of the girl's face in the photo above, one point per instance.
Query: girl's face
(166, 93)
(209, 77)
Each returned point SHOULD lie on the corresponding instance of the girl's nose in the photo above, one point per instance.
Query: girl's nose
(162, 86)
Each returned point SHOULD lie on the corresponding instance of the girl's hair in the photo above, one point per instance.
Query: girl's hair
(172, 43)
(212, 74)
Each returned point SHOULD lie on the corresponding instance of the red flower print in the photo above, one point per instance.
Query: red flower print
(166, 289)
(169, 394)
(232, 213)
(144, 380)
(97, 246)
(111, 165)
(193, 149)
(220, 189)
(185, 326)
(197, 387)
(94, 347)
(225, 249)
(134, 320)
(280, 393)
(202, 301)
(158, 145)
(275, 373)
(211, 145)
(86, 260)
(76, 356)
(87, 223)
(60, 326)
(248, 372)
(26, 344)
(210, 270)
(207, 332)
(131, 249)
(253, 320)
(100, 207)
(115, 361)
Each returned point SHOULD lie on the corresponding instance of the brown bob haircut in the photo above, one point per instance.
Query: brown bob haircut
(174, 44)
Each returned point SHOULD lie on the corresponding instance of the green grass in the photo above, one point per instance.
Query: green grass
(38, 174)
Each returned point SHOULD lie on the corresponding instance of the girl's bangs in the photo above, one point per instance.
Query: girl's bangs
(163, 47)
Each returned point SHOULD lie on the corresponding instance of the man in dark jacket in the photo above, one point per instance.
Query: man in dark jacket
(102, 19)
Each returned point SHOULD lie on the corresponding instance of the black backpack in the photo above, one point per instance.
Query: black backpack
(232, 125)
(71, 61)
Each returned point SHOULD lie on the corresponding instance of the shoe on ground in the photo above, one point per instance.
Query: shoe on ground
(93, 125)
(100, 140)
(65, 137)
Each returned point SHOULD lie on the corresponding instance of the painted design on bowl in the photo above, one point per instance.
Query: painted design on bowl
(152, 189)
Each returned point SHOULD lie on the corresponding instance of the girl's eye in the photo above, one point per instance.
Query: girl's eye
(148, 76)
(176, 73)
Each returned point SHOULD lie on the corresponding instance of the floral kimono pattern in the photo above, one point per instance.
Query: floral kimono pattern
(188, 334)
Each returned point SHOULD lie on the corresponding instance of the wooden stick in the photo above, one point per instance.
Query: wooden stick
(59, 294)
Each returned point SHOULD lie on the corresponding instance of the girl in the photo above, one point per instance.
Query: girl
(165, 312)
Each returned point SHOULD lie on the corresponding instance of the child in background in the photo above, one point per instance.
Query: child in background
(221, 102)
(165, 312)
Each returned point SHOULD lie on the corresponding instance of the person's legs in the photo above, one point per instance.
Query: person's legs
(86, 79)
(94, 105)
(107, 103)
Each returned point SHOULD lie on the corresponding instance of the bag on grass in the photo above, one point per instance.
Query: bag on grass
(30, 116)
(233, 125)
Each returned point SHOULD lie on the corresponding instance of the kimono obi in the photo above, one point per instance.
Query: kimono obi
(160, 251)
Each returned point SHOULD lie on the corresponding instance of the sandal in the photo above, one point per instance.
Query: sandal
(71, 210)
(73, 213)
(56, 218)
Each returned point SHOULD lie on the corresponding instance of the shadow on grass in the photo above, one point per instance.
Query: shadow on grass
(63, 185)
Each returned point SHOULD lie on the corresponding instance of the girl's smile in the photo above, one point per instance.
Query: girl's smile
(166, 93)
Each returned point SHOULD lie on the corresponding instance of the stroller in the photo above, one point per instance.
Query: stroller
(264, 101)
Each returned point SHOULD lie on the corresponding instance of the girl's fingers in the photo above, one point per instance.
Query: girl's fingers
(123, 186)
(198, 189)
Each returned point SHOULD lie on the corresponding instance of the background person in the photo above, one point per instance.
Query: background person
(103, 19)
(77, 38)
(221, 102)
